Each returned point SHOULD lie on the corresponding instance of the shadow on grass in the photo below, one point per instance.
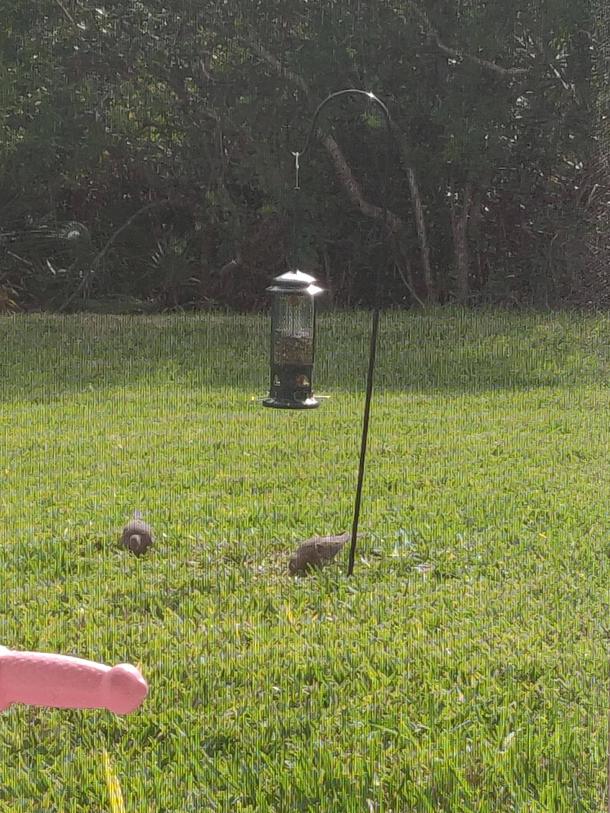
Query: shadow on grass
(46, 357)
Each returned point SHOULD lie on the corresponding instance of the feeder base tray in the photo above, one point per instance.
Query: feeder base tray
(280, 403)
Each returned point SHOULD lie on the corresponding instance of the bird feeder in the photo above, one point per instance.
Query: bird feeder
(293, 324)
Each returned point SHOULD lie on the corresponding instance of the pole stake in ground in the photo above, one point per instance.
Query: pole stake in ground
(376, 306)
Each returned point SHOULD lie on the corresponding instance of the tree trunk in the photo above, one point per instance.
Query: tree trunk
(422, 233)
(431, 294)
(598, 277)
(460, 216)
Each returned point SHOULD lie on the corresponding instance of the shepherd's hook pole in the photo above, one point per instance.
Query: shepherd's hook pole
(375, 319)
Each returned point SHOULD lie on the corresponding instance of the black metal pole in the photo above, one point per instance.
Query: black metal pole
(376, 307)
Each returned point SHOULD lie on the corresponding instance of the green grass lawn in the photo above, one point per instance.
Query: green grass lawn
(462, 668)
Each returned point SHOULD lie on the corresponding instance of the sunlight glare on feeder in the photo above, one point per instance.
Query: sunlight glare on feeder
(293, 323)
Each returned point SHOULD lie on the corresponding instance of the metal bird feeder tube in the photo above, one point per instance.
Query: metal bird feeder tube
(293, 327)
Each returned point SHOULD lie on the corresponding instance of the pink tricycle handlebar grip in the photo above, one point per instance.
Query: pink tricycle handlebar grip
(61, 681)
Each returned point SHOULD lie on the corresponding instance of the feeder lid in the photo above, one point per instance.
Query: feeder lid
(295, 282)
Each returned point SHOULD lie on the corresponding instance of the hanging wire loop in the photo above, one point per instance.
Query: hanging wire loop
(297, 155)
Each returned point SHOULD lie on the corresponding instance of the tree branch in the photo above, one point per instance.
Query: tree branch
(260, 50)
(66, 12)
(352, 187)
(407, 281)
(349, 182)
(433, 34)
(176, 82)
(88, 277)
(422, 232)
(344, 172)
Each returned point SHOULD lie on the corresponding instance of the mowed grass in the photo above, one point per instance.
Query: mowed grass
(462, 668)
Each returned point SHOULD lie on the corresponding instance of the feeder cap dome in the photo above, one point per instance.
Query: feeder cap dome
(295, 282)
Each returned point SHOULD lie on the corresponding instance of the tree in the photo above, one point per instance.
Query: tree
(109, 109)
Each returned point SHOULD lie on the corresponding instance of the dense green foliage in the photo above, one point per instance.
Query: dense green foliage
(462, 668)
(496, 184)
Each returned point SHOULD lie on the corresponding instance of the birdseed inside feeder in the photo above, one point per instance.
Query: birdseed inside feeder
(293, 323)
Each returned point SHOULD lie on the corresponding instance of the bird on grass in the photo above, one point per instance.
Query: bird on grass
(315, 553)
(137, 535)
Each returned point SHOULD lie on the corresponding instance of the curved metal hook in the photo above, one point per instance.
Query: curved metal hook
(322, 105)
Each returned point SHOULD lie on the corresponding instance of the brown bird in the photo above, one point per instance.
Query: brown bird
(316, 552)
(137, 535)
